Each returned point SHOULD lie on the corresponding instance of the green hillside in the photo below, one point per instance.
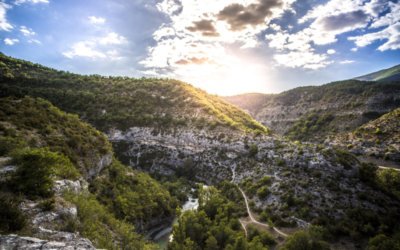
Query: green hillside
(122, 102)
(390, 74)
(47, 145)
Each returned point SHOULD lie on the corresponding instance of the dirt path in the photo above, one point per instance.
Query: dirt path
(254, 221)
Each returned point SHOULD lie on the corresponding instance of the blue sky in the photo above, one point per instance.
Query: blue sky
(225, 47)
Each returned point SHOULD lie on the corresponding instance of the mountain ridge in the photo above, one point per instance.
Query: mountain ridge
(389, 74)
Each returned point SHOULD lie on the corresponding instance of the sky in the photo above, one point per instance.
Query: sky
(225, 47)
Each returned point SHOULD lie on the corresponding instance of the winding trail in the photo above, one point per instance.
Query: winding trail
(252, 219)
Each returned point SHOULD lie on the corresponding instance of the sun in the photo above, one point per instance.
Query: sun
(230, 76)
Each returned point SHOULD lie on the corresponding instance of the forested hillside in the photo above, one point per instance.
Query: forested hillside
(58, 178)
(121, 102)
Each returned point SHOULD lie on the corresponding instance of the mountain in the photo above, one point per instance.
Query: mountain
(184, 138)
(59, 182)
(315, 112)
(162, 104)
(390, 74)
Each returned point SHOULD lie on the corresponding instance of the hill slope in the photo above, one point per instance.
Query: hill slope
(312, 113)
(378, 138)
(390, 74)
(48, 159)
(121, 102)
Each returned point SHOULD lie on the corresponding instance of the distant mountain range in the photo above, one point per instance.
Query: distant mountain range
(314, 112)
(390, 74)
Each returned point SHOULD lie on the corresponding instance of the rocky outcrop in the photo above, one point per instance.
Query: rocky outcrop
(103, 162)
(12, 242)
(321, 179)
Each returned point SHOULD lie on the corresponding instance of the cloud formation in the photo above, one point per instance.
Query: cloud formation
(206, 27)
(323, 25)
(10, 41)
(203, 29)
(4, 23)
(390, 33)
(239, 16)
(96, 20)
(102, 47)
(19, 2)
(26, 31)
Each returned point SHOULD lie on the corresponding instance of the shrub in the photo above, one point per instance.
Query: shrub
(36, 170)
(11, 218)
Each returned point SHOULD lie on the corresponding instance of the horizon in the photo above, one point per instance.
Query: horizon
(227, 48)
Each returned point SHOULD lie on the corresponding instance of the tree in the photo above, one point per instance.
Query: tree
(211, 243)
(302, 240)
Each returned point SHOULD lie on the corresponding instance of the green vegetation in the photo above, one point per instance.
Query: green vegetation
(11, 218)
(215, 224)
(37, 123)
(36, 171)
(42, 142)
(259, 188)
(383, 242)
(306, 240)
(98, 224)
(133, 196)
(310, 125)
(121, 102)
(388, 180)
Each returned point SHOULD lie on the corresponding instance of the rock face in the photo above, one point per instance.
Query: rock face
(104, 161)
(311, 173)
(300, 112)
(11, 242)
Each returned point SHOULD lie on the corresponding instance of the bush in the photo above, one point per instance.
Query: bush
(11, 218)
(36, 170)
(47, 205)
(306, 241)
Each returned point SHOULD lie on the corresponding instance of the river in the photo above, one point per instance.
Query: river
(165, 235)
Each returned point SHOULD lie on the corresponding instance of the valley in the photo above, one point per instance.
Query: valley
(124, 158)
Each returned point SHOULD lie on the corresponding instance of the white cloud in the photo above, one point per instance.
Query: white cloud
(19, 2)
(195, 41)
(347, 62)
(96, 20)
(331, 51)
(304, 59)
(97, 47)
(389, 33)
(325, 22)
(4, 24)
(84, 49)
(111, 38)
(35, 41)
(26, 31)
(10, 41)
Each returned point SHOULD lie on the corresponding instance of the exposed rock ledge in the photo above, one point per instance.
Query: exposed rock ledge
(12, 241)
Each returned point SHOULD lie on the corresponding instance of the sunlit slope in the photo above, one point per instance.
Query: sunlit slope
(122, 102)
